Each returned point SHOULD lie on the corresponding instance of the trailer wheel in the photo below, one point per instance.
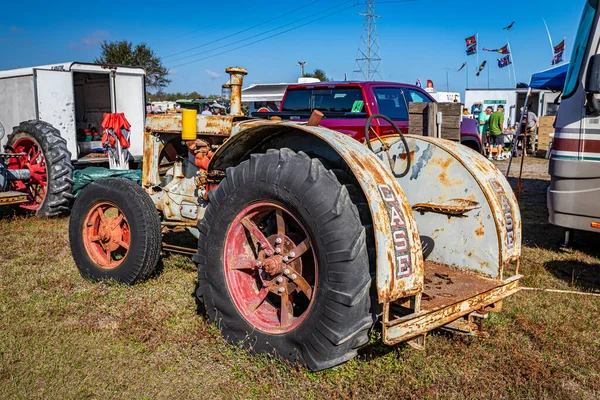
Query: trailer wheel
(282, 261)
(45, 155)
(115, 232)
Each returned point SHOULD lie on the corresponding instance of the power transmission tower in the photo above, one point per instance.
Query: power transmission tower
(368, 58)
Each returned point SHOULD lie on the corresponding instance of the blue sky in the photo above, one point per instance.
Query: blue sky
(419, 39)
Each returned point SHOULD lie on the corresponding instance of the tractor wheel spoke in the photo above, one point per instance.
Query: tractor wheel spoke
(301, 283)
(280, 225)
(286, 311)
(118, 219)
(259, 299)
(300, 249)
(94, 239)
(257, 234)
(124, 245)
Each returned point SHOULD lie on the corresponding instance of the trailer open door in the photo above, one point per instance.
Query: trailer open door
(55, 103)
(129, 95)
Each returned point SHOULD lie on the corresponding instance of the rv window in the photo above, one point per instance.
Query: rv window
(583, 33)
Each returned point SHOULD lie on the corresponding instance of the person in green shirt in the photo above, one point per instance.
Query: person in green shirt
(484, 127)
(496, 123)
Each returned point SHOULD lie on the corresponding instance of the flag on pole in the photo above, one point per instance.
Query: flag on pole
(471, 42)
(481, 67)
(462, 66)
(559, 51)
(418, 83)
(501, 50)
(558, 58)
(560, 46)
(504, 61)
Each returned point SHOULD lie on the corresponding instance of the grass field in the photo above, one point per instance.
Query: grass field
(62, 337)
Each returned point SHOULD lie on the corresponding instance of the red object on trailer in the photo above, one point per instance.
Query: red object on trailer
(116, 122)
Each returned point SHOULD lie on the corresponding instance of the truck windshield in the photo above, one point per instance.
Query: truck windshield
(583, 34)
(391, 103)
(341, 99)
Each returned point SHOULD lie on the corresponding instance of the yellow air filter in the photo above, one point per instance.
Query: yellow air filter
(188, 124)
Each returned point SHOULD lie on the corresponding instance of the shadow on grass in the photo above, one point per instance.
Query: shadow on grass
(576, 273)
(537, 231)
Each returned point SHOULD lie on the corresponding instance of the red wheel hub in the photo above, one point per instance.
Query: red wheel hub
(106, 235)
(270, 267)
(31, 158)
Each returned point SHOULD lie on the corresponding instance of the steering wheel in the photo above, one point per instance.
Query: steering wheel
(397, 130)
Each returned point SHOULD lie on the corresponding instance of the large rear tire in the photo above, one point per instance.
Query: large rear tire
(312, 307)
(115, 232)
(49, 162)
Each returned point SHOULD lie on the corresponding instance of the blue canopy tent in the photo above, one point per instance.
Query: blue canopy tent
(551, 79)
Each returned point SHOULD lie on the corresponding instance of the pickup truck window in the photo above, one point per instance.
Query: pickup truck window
(327, 100)
(297, 100)
(391, 103)
(416, 96)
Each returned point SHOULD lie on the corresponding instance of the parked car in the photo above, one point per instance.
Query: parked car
(347, 105)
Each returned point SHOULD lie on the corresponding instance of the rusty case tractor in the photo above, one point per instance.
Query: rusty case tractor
(307, 237)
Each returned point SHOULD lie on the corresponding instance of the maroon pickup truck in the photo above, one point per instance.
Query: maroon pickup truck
(347, 105)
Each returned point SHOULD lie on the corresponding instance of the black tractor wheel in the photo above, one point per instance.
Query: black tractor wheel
(39, 148)
(115, 232)
(282, 261)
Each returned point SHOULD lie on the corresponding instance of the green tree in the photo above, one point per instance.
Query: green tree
(319, 74)
(124, 53)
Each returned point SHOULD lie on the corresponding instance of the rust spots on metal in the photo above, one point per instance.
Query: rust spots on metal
(404, 156)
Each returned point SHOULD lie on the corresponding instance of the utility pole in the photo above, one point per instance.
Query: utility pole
(368, 58)
(301, 64)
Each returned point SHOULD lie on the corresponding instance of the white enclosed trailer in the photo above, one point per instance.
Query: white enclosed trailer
(74, 96)
(542, 101)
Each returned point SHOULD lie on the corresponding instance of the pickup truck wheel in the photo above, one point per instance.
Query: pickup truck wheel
(282, 261)
(115, 232)
(39, 148)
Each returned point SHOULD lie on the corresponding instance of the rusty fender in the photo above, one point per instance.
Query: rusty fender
(487, 237)
(399, 258)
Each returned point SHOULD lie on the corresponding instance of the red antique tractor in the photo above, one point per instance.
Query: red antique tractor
(35, 169)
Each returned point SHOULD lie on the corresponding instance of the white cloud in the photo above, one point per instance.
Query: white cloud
(91, 40)
(213, 74)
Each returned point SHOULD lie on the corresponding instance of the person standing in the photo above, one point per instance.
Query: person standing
(530, 129)
(206, 111)
(496, 123)
(484, 125)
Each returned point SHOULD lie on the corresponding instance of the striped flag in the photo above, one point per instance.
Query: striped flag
(501, 50)
(481, 67)
(559, 51)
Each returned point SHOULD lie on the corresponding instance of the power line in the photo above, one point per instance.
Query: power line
(256, 35)
(269, 37)
(242, 31)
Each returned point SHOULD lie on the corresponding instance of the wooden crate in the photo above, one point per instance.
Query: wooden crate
(422, 119)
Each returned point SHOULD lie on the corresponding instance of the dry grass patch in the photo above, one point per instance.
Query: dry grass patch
(63, 337)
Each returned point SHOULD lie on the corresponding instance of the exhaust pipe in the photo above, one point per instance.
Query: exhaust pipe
(236, 79)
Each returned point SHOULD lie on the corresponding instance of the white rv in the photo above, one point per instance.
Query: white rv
(73, 97)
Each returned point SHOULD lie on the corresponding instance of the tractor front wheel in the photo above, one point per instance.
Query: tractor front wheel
(282, 261)
(115, 232)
